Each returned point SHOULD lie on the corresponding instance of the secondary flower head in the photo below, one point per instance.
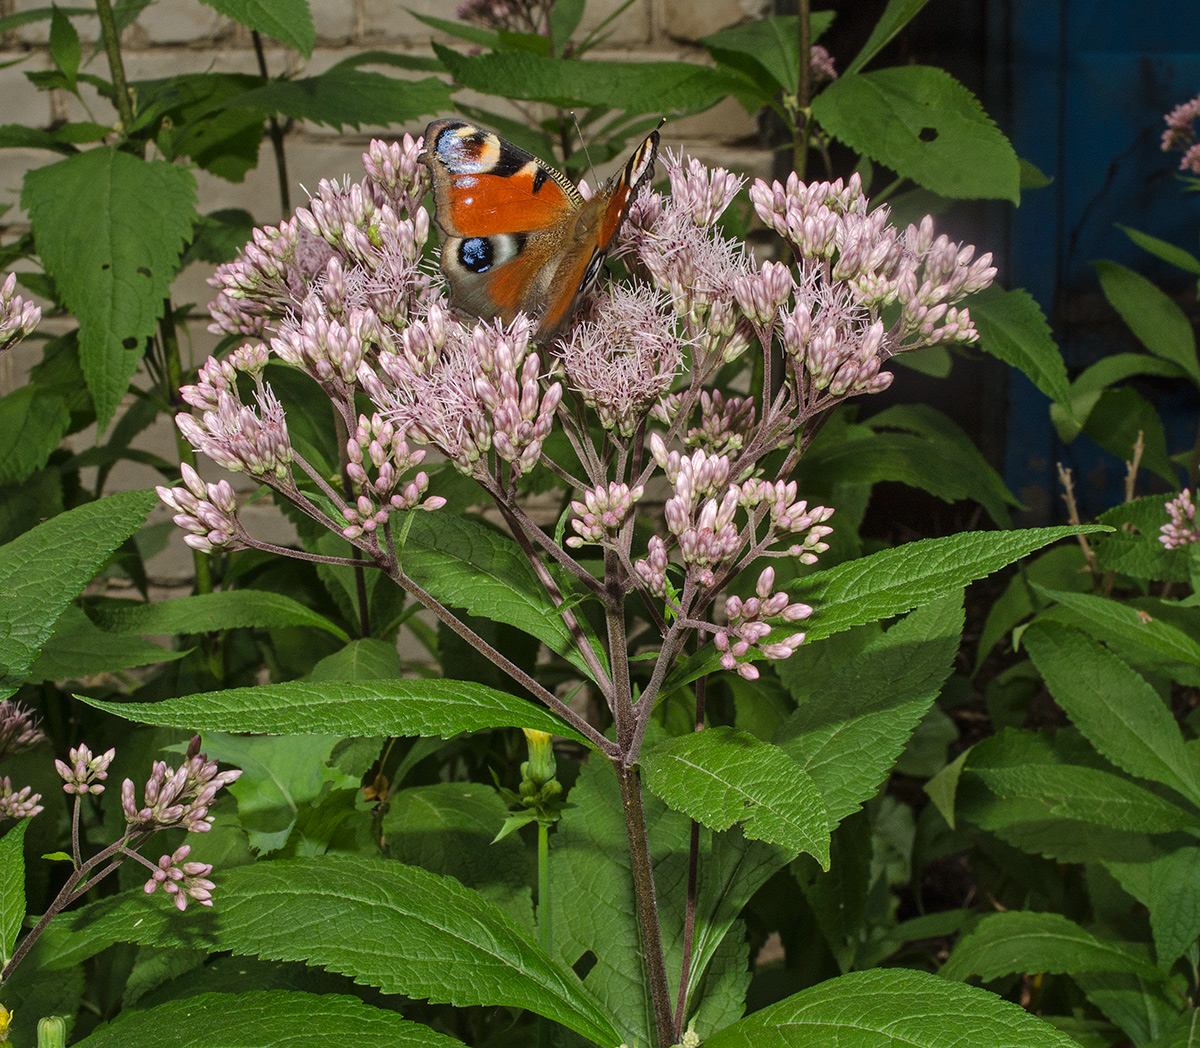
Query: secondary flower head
(177, 796)
(84, 773)
(18, 318)
(182, 880)
(1181, 531)
(19, 729)
(18, 804)
(1180, 134)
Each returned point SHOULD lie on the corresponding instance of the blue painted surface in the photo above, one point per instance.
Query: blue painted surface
(1089, 82)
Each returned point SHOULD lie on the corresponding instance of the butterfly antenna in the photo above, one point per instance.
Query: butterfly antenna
(583, 146)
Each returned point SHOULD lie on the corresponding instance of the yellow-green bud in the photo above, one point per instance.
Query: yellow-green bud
(540, 767)
(52, 1032)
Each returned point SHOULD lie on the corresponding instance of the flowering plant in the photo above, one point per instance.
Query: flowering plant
(629, 411)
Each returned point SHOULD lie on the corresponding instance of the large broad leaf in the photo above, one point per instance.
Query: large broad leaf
(207, 612)
(346, 96)
(391, 707)
(891, 1008)
(1159, 324)
(924, 125)
(1169, 887)
(670, 88)
(466, 564)
(897, 580)
(396, 927)
(12, 888)
(1013, 328)
(32, 422)
(1114, 706)
(43, 570)
(242, 1020)
(139, 215)
(1087, 794)
(721, 776)
(79, 648)
(849, 731)
(1114, 622)
(1016, 941)
(1133, 549)
(288, 21)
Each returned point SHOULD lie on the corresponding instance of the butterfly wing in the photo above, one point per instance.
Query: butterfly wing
(519, 237)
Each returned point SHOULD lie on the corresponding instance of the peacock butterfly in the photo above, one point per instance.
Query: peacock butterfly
(518, 235)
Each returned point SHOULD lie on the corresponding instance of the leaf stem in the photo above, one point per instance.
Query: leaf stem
(112, 48)
(275, 133)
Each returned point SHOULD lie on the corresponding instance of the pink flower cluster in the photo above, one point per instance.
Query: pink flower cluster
(748, 627)
(1182, 530)
(18, 318)
(1180, 134)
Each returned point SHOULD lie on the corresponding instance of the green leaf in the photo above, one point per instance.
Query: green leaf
(32, 422)
(365, 659)
(1087, 794)
(1116, 709)
(1116, 421)
(1168, 252)
(1159, 324)
(140, 215)
(890, 1008)
(895, 17)
(1133, 549)
(1060, 567)
(42, 571)
(12, 888)
(288, 21)
(669, 88)
(1093, 381)
(18, 136)
(849, 730)
(39, 14)
(1017, 942)
(1013, 328)
(925, 126)
(766, 49)
(1169, 887)
(346, 914)
(896, 580)
(239, 1020)
(448, 829)
(343, 95)
(720, 776)
(65, 49)
(78, 648)
(394, 707)
(209, 612)
(468, 565)
(1113, 621)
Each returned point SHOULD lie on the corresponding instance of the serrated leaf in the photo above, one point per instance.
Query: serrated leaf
(1013, 328)
(1087, 388)
(889, 1008)
(239, 1020)
(897, 580)
(1112, 705)
(114, 279)
(1169, 887)
(448, 829)
(32, 422)
(344, 96)
(669, 88)
(1119, 419)
(1112, 620)
(363, 659)
(209, 612)
(1154, 318)
(848, 732)
(467, 565)
(395, 707)
(925, 126)
(720, 776)
(346, 914)
(288, 21)
(12, 888)
(42, 571)
(1018, 941)
(65, 49)
(1088, 795)
(78, 648)
(1134, 548)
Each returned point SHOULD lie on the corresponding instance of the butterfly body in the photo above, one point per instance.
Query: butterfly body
(518, 235)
